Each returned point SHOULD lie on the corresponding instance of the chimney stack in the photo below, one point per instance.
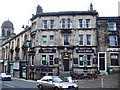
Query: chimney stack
(91, 7)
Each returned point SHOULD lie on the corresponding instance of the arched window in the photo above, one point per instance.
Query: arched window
(69, 23)
(18, 42)
(63, 23)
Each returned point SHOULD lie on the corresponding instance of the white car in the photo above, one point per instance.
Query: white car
(55, 83)
(4, 76)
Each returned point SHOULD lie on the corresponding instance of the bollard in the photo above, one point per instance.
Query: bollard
(102, 83)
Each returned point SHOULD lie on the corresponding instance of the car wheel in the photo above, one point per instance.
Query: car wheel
(56, 88)
(40, 87)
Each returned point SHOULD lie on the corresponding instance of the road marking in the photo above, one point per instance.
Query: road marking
(9, 85)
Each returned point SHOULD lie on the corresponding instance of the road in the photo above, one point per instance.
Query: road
(15, 83)
(105, 81)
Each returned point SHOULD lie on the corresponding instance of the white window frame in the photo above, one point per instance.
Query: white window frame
(69, 23)
(88, 25)
(90, 39)
(43, 40)
(115, 41)
(79, 24)
(89, 60)
(63, 24)
(51, 60)
(45, 25)
(110, 58)
(112, 26)
(52, 24)
(64, 39)
(42, 59)
(79, 39)
(82, 61)
(51, 42)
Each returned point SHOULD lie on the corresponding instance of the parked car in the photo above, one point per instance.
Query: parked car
(4, 76)
(55, 83)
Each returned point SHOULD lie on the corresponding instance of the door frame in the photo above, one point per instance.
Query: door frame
(105, 62)
(66, 64)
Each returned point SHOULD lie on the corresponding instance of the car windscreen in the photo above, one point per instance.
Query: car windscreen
(57, 79)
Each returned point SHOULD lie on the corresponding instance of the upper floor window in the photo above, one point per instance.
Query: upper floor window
(44, 40)
(45, 26)
(33, 42)
(113, 40)
(112, 26)
(66, 40)
(18, 42)
(69, 23)
(88, 23)
(80, 23)
(88, 39)
(51, 41)
(80, 39)
(51, 24)
(63, 23)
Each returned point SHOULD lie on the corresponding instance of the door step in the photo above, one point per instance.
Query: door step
(103, 73)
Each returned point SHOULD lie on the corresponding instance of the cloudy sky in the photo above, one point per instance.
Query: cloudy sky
(19, 12)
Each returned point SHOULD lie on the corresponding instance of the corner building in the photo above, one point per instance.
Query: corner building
(63, 42)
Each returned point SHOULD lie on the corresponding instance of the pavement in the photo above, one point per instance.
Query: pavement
(103, 81)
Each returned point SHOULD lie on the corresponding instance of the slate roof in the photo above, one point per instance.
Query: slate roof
(65, 13)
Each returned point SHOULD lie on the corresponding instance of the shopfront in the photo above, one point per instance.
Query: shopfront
(16, 70)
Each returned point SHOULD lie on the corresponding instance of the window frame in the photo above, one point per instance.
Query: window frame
(89, 60)
(112, 27)
(43, 41)
(88, 40)
(63, 23)
(115, 41)
(51, 60)
(81, 61)
(80, 24)
(51, 41)
(45, 24)
(64, 40)
(42, 63)
(80, 40)
(69, 23)
(88, 24)
(52, 24)
(111, 59)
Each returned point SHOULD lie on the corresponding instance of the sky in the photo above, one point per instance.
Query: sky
(19, 12)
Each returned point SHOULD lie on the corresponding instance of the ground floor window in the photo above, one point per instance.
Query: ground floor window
(89, 60)
(81, 60)
(84, 60)
(114, 59)
(43, 59)
(50, 59)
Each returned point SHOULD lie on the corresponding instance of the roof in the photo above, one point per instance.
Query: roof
(65, 13)
(108, 18)
(8, 24)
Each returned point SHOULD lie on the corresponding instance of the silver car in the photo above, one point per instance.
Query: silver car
(55, 83)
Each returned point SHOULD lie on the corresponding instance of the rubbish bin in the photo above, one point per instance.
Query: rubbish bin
(110, 70)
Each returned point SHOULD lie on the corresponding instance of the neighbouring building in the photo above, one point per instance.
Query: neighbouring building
(108, 43)
(7, 31)
(14, 54)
